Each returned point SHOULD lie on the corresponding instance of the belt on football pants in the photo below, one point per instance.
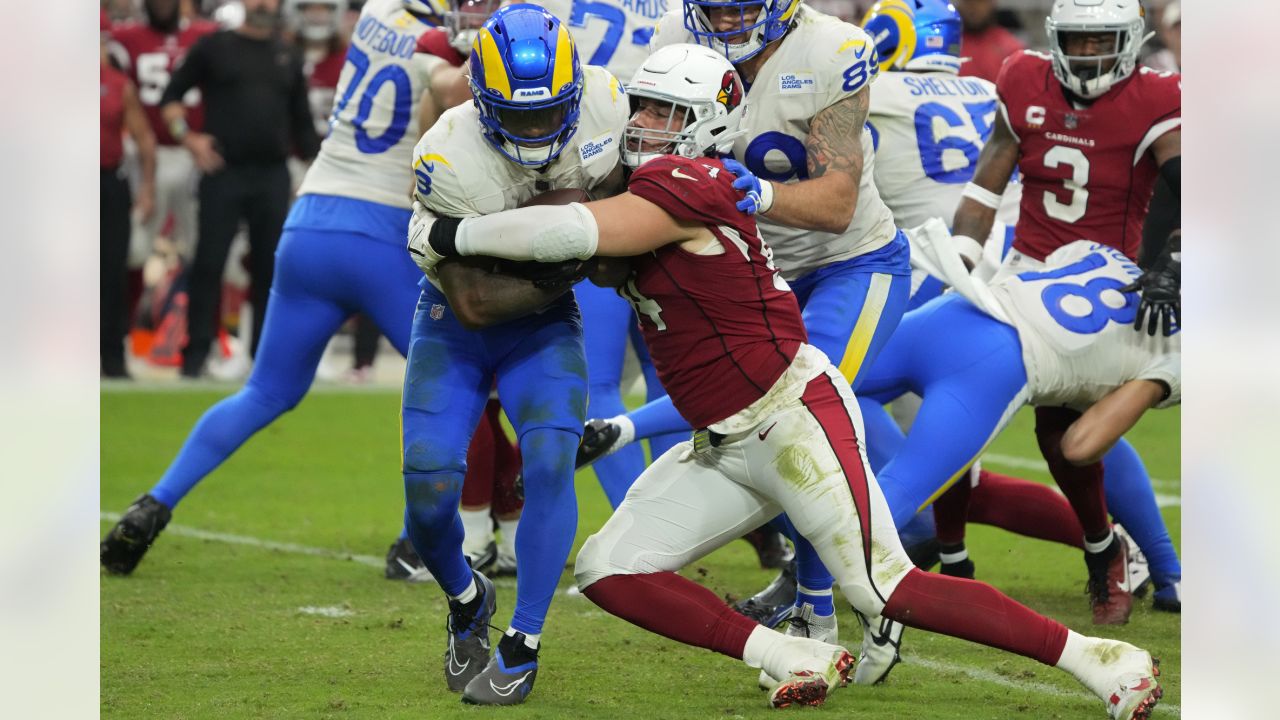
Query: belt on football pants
(704, 438)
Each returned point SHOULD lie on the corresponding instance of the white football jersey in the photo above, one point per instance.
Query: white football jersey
(375, 113)
(611, 33)
(1076, 328)
(459, 174)
(929, 129)
(821, 61)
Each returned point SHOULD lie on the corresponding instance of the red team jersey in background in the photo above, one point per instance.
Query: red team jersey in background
(721, 328)
(322, 84)
(1086, 173)
(150, 57)
(436, 42)
(111, 88)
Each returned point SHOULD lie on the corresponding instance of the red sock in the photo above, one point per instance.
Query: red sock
(674, 607)
(951, 512)
(977, 612)
(1082, 485)
(1024, 507)
(477, 489)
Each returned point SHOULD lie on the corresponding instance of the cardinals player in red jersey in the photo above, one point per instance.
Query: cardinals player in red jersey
(1089, 132)
(149, 52)
(779, 425)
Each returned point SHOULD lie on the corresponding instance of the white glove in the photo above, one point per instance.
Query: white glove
(419, 231)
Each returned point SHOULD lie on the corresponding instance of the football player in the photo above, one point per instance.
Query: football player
(779, 427)
(806, 166)
(148, 52)
(1088, 132)
(539, 122)
(339, 254)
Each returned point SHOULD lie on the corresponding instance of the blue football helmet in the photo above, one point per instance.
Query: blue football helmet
(915, 34)
(527, 84)
(773, 19)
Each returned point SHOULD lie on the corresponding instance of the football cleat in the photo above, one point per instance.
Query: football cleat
(1168, 598)
(802, 622)
(508, 677)
(483, 559)
(1139, 568)
(881, 642)
(810, 684)
(403, 563)
(598, 439)
(771, 604)
(1108, 586)
(1133, 688)
(770, 546)
(122, 549)
(468, 626)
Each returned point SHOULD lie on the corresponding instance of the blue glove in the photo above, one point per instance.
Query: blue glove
(757, 194)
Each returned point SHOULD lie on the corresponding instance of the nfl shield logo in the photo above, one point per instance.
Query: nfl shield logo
(437, 312)
(1072, 121)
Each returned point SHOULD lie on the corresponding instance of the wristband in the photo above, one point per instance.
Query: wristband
(982, 196)
(178, 128)
(766, 196)
(968, 248)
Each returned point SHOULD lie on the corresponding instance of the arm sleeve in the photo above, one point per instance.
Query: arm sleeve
(301, 124)
(189, 73)
(543, 233)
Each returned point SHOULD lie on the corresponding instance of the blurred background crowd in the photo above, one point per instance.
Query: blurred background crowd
(199, 161)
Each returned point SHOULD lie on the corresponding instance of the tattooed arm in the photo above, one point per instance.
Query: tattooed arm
(834, 149)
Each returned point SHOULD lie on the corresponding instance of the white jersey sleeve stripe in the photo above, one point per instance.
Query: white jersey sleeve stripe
(1154, 134)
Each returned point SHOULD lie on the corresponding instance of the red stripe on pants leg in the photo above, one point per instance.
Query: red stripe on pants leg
(823, 400)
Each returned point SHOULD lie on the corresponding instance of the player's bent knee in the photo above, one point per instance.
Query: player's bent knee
(863, 598)
(432, 498)
(593, 562)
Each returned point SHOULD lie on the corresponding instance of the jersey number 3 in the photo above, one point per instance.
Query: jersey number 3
(1076, 207)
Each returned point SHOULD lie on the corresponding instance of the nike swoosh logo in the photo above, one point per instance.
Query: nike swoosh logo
(453, 662)
(675, 172)
(766, 432)
(509, 688)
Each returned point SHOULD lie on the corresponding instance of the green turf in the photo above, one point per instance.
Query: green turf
(208, 629)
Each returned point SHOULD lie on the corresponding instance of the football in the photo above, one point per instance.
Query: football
(557, 197)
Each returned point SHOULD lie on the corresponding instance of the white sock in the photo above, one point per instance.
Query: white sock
(507, 545)
(469, 594)
(627, 434)
(477, 529)
(1080, 658)
(955, 557)
(531, 640)
(1091, 547)
(760, 644)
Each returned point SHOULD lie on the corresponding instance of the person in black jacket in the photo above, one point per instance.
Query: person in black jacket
(256, 114)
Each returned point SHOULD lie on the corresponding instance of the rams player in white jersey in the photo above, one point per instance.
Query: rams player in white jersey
(806, 164)
(1057, 337)
(539, 122)
(341, 253)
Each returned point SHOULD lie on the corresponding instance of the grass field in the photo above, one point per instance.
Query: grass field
(218, 620)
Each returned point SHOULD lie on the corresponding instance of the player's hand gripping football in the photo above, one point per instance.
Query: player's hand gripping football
(1161, 291)
(757, 193)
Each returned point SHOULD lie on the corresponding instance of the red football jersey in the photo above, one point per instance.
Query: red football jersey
(1086, 173)
(436, 42)
(110, 142)
(322, 84)
(721, 329)
(149, 57)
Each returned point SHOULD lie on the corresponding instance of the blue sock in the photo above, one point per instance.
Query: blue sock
(435, 528)
(657, 418)
(404, 532)
(810, 572)
(548, 526)
(821, 600)
(1132, 503)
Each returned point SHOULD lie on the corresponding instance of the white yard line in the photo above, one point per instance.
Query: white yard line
(970, 671)
(185, 531)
